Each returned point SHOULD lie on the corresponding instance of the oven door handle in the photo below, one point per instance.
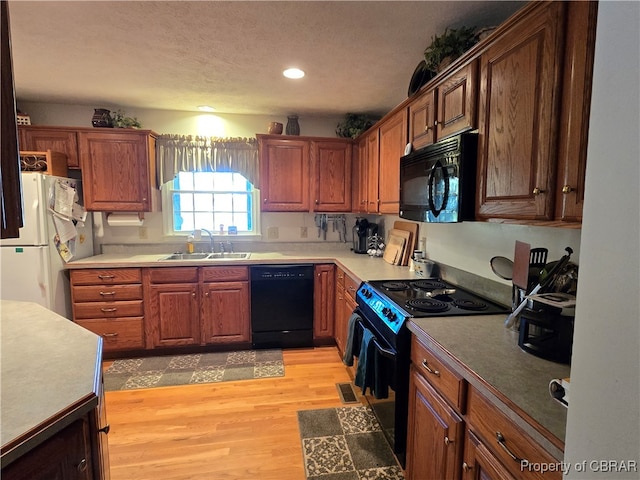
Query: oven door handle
(383, 351)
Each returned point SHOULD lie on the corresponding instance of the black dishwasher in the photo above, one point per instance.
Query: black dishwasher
(282, 306)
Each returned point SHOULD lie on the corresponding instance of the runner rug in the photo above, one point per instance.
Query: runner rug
(171, 370)
(345, 443)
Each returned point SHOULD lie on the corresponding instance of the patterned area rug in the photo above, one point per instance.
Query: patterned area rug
(345, 443)
(171, 370)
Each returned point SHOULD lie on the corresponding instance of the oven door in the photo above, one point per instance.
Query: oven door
(389, 397)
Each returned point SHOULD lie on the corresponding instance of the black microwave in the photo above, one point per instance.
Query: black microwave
(437, 182)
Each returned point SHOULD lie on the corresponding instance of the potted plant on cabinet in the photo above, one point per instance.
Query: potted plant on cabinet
(445, 48)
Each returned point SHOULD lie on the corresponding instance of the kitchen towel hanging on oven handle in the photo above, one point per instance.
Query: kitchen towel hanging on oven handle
(372, 369)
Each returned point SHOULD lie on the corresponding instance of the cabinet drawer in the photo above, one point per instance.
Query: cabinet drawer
(350, 286)
(451, 385)
(223, 274)
(489, 424)
(108, 309)
(340, 277)
(106, 276)
(117, 333)
(100, 293)
(173, 275)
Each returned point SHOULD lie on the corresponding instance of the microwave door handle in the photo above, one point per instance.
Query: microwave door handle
(445, 199)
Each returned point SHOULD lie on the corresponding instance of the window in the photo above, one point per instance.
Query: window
(194, 200)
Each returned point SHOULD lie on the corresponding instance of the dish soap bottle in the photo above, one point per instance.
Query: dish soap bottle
(190, 244)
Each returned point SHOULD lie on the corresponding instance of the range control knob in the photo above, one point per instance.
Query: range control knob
(386, 311)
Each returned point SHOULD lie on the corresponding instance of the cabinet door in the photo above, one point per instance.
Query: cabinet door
(116, 171)
(479, 463)
(225, 312)
(422, 116)
(519, 96)
(359, 178)
(457, 101)
(41, 139)
(331, 176)
(323, 301)
(393, 140)
(373, 166)
(435, 438)
(284, 175)
(174, 315)
(65, 456)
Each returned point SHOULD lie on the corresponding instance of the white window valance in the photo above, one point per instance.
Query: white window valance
(187, 153)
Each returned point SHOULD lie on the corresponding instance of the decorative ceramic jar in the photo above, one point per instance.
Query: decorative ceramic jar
(275, 128)
(293, 128)
(101, 118)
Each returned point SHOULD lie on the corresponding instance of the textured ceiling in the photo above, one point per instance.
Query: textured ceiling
(358, 56)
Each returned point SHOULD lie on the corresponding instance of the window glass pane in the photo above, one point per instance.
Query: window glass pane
(225, 219)
(184, 181)
(184, 223)
(203, 180)
(204, 220)
(223, 202)
(224, 181)
(203, 202)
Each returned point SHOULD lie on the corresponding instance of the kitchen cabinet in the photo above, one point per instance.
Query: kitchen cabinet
(109, 303)
(225, 305)
(172, 306)
(331, 163)
(323, 301)
(445, 109)
(305, 174)
(534, 108)
(36, 138)
(392, 140)
(118, 169)
(359, 177)
(373, 170)
(479, 463)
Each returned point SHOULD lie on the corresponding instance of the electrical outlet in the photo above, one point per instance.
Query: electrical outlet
(303, 232)
(142, 233)
(272, 233)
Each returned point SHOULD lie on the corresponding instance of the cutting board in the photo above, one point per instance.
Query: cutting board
(520, 277)
(412, 228)
(394, 249)
(406, 251)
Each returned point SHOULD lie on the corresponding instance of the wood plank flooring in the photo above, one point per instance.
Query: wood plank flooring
(239, 430)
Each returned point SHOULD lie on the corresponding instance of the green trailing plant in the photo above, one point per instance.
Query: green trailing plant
(452, 43)
(354, 124)
(119, 120)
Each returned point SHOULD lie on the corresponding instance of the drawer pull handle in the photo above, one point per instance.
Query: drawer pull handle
(106, 277)
(466, 467)
(110, 335)
(82, 466)
(105, 429)
(109, 310)
(426, 366)
(502, 442)
(447, 441)
(107, 294)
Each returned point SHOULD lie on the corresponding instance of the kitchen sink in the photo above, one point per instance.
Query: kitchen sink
(207, 256)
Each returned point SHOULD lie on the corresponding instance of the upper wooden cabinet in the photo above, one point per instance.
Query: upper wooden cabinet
(38, 138)
(331, 175)
(118, 169)
(534, 107)
(446, 109)
(393, 140)
(305, 174)
(373, 170)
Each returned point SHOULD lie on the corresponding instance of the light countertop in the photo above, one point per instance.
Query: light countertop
(48, 373)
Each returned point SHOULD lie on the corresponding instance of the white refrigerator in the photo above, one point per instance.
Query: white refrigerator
(32, 266)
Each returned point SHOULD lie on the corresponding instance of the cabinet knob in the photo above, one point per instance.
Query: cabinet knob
(538, 191)
(447, 441)
(105, 429)
(206, 294)
(466, 467)
(264, 201)
(193, 294)
(317, 202)
(567, 189)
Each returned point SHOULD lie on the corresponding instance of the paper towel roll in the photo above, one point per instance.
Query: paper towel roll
(124, 220)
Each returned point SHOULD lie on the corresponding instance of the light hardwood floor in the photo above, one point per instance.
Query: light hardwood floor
(239, 430)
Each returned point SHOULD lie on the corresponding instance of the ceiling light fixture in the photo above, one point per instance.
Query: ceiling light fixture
(293, 73)
(206, 108)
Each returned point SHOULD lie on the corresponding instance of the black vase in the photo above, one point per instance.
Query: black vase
(293, 128)
(101, 118)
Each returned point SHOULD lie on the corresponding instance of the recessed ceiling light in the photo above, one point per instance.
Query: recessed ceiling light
(293, 73)
(206, 108)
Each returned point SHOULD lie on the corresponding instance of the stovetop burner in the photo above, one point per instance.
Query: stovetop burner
(429, 305)
(427, 284)
(469, 304)
(395, 286)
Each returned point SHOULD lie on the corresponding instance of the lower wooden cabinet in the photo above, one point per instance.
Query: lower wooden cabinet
(480, 463)
(435, 437)
(345, 288)
(323, 301)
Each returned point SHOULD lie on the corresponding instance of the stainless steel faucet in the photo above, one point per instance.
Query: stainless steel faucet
(210, 239)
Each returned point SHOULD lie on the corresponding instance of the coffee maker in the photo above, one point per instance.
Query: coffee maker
(362, 230)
